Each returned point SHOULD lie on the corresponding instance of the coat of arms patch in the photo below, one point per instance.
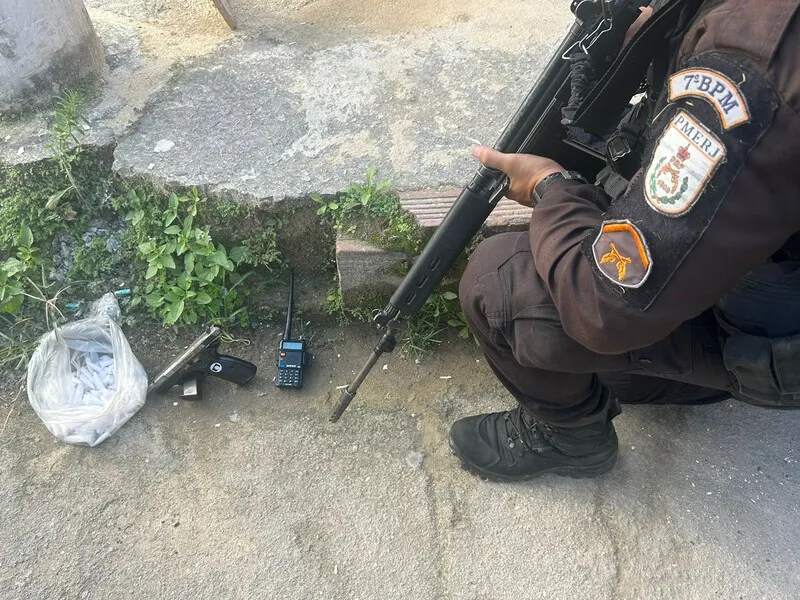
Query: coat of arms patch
(684, 161)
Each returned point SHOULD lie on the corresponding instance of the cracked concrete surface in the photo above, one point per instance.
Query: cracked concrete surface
(305, 97)
(251, 493)
(294, 113)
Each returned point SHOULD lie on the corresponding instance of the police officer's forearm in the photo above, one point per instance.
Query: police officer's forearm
(561, 221)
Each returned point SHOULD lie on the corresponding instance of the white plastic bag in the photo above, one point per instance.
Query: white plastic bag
(52, 376)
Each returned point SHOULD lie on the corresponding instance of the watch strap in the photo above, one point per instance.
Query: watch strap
(553, 177)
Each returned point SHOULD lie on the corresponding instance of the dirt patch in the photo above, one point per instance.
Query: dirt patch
(507, 23)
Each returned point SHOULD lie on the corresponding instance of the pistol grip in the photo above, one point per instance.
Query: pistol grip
(231, 369)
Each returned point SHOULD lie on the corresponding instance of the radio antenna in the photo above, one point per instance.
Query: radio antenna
(287, 333)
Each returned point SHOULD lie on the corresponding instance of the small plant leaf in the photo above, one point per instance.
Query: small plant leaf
(175, 313)
(154, 300)
(188, 262)
(12, 266)
(52, 201)
(219, 258)
(25, 238)
(237, 254)
(136, 217)
(169, 217)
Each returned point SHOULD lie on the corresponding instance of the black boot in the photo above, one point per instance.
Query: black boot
(514, 446)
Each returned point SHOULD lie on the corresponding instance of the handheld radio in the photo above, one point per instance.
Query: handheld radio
(292, 355)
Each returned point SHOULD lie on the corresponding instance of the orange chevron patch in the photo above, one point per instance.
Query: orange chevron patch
(621, 254)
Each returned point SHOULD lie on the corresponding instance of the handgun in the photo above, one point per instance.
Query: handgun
(201, 360)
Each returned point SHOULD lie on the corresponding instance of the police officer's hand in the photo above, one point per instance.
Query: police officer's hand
(527, 170)
(524, 170)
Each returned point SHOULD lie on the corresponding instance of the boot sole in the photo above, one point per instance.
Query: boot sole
(576, 472)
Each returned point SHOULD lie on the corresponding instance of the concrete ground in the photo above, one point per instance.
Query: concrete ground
(252, 493)
(306, 96)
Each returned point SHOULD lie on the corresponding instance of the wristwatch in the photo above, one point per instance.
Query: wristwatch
(545, 183)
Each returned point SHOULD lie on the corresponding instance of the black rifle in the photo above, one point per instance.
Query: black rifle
(538, 127)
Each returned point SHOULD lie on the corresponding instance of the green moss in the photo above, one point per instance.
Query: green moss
(226, 209)
(26, 190)
(100, 268)
(262, 247)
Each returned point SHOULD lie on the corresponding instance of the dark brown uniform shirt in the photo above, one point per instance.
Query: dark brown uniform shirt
(718, 193)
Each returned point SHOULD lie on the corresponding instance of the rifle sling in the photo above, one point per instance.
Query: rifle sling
(601, 109)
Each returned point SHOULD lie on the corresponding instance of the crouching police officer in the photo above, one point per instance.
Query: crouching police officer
(675, 279)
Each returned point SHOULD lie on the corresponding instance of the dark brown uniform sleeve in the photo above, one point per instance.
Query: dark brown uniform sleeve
(718, 193)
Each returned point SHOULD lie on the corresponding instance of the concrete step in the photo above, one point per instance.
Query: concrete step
(287, 108)
(368, 275)
(431, 206)
(298, 110)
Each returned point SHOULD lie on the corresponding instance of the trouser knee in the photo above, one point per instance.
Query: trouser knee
(480, 290)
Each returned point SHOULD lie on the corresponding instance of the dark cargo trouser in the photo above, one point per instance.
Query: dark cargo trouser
(553, 376)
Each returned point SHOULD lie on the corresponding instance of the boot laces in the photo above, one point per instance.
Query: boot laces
(520, 430)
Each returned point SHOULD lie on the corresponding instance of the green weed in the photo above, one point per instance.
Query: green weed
(227, 209)
(390, 226)
(261, 248)
(16, 270)
(23, 196)
(28, 305)
(440, 311)
(188, 277)
(65, 144)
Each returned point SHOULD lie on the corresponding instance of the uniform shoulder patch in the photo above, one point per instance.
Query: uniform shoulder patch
(710, 85)
(621, 254)
(684, 161)
(720, 107)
